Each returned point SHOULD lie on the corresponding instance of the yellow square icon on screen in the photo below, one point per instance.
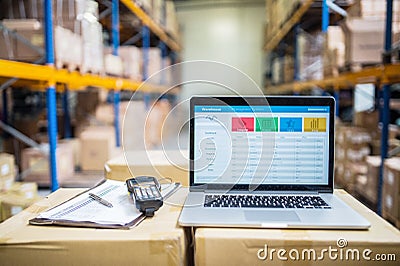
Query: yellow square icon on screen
(315, 124)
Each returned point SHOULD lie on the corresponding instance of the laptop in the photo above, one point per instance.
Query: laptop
(264, 162)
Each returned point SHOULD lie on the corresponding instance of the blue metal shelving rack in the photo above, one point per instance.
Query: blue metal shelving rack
(51, 90)
(383, 93)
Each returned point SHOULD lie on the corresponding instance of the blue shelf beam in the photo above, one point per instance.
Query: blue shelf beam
(115, 46)
(384, 109)
(51, 95)
(146, 47)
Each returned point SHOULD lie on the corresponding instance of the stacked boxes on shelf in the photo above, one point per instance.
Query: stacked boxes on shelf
(171, 23)
(277, 12)
(78, 38)
(391, 191)
(352, 148)
(14, 196)
(367, 184)
(7, 171)
(364, 31)
(29, 31)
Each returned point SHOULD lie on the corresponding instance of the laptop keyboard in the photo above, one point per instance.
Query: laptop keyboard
(260, 201)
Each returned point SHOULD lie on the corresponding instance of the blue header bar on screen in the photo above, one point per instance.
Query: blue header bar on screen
(260, 109)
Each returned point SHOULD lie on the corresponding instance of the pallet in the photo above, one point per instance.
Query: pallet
(67, 65)
(391, 219)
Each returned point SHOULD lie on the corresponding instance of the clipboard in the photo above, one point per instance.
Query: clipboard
(83, 211)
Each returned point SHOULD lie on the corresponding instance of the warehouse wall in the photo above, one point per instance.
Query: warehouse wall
(229, 34)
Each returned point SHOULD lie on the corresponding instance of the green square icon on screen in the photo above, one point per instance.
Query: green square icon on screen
(266, 124)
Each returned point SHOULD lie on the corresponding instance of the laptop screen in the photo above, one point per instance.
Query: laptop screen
(264, 142)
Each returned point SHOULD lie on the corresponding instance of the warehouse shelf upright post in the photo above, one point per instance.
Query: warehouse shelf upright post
(51, 95)
(146, 47)
(115, 46)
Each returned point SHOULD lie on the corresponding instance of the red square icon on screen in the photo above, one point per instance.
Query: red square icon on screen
(242, 124)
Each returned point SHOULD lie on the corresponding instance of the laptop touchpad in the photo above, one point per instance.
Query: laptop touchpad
(271, 216)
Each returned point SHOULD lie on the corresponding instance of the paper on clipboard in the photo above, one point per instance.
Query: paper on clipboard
(84, 211)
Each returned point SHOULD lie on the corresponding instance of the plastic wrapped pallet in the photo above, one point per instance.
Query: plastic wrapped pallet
(132, 61)
(311, 47)
(113, 65)
(92, 47)
(92, 37)
(68, 48)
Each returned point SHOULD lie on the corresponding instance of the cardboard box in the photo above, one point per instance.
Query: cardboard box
(35, 164)
(233, 246)
(75, 144)
(366, 119)
(105, 113)
(347, 176)
(161, 164)
(6, 182)
(7, 165)
(391, 187)
(12, 204)
(97, 147)
(352, 136)
(155, 241)
(31, 30)
(364, 40)
(367, 184)
(27, 190)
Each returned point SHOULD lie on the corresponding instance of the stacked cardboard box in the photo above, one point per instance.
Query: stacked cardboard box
(14, 196)
(370, 121)
(7, 171)
(352, 148)
(171, 23)
(13, 49)
(364, 30)
(97, 147)
(391, 191)
(367, 184)
(278, 12)
(18, 197)
(374, 9)
(78, 39)
(35, 164)
(334, 51)
(364, 40)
